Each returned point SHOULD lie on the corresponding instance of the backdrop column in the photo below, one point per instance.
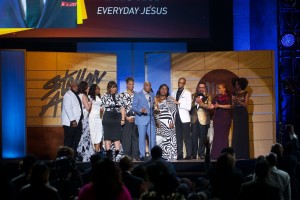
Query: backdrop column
(13, 104)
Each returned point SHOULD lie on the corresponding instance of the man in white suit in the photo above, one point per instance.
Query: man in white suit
(183, 120)
(71, 117)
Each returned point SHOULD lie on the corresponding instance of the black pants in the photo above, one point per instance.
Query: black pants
(72, 136)
(183, 134)
(199, 136)
(130, 140)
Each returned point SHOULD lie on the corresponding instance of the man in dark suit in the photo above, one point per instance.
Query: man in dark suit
(142, 105)
(47, 14)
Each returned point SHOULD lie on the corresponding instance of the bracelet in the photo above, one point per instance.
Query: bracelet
(122, 120)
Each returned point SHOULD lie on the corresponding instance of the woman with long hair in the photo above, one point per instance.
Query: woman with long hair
(95, 120)
(85, 148)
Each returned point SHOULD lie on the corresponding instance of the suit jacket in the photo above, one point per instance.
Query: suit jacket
(55, 14)
(71, 109)
(184, 107)
(201, 112)
(139, 102)
(259, 190)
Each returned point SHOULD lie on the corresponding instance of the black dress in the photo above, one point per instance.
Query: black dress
(240, 134)
(112, 116)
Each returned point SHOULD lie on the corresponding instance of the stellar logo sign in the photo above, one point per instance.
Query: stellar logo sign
(60, 85)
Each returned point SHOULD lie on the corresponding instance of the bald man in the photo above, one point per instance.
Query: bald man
(142, 105)
(71, 117)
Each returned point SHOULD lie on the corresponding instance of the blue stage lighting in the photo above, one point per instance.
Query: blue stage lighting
(288, 40)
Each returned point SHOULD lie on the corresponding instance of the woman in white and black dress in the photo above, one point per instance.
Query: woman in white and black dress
(113, 118)
(165, 111)
(95, 120)
(130, 135)
(85, 147)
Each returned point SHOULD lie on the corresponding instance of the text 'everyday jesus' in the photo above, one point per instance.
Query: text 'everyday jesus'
(132, 10)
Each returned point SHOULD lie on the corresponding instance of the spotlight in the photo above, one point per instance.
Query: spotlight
(288, 40)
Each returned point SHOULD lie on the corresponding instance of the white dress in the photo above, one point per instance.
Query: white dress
(95, 122)
(85, 147)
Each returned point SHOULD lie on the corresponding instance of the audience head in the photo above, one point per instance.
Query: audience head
(141, 171)
(272, 159)
(39, 174)
(228, 150)
(27, 163)
(64, 166)
(225, 162)
(125, 163)
(106, 176)
(277, 148)
(289, 128)
(65, 151)
(262, 169)
(184, 189)
(185, 186)
(163, 181)
(201, 184)
(96, 157)
(156, 152)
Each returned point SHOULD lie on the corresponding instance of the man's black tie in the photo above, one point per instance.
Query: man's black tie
(33, 13)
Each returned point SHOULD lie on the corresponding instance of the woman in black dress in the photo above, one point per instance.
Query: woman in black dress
(240, 134)
(113, 118)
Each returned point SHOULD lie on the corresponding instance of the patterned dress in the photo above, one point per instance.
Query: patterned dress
(112, 129)
(166, 136)
(85, 147)
(130, 135)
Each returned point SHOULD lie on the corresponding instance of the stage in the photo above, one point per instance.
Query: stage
(192, 169)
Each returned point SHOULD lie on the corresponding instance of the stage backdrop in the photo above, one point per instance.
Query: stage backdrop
(48, 77)
(256, 66)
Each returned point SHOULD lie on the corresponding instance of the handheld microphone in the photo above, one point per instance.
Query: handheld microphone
(150, 99)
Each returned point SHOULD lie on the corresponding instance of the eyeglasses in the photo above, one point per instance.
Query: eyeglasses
(202, 87)
(181, 82)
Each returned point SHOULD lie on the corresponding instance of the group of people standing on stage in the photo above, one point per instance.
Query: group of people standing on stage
(135, 122)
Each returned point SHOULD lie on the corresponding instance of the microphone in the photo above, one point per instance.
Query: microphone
(150, 99)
